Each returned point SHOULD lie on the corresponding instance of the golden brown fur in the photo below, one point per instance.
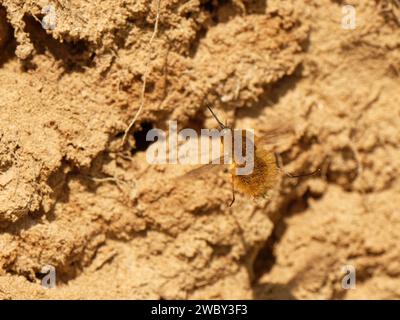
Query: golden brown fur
(263, 177)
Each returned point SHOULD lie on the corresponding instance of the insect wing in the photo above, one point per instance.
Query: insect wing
(206, 169)
(274, 136)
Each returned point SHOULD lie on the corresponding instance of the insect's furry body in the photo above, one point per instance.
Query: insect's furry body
(264, 174)
(263, 177)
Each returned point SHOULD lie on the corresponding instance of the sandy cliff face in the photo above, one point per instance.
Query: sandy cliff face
(114, 226)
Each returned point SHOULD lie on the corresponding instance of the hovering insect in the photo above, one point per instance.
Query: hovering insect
(265, 172)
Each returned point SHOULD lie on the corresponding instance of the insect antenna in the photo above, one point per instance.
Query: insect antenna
(216, 118)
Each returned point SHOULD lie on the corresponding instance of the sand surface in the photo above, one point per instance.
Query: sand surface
(114, 226)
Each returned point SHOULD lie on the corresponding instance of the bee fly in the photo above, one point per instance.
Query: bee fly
(265, 169)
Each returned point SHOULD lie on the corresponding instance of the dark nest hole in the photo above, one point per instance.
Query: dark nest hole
(141, 143)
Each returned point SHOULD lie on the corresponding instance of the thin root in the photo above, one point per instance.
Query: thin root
(122, 185)
(146, 73)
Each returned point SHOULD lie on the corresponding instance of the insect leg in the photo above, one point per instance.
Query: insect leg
(279, 164)
(233, 192)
